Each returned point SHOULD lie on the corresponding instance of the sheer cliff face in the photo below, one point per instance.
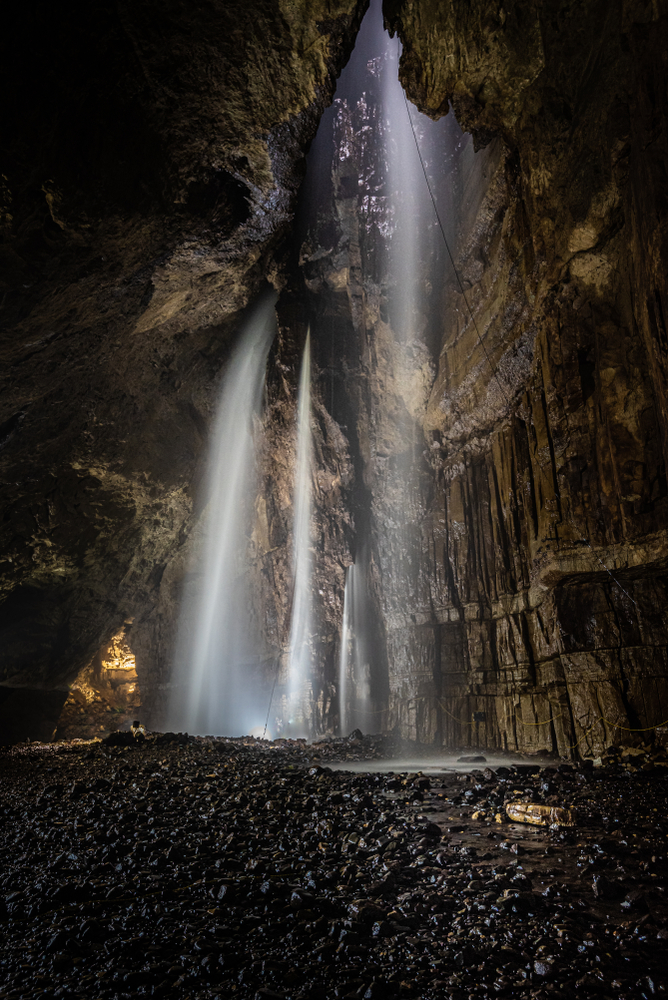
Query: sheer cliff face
(151, 173)
(545, 541)
(512, 484)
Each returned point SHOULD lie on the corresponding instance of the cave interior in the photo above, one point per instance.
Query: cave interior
(488, 411)
(333, 439)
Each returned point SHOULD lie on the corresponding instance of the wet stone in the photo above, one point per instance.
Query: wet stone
(165, 874)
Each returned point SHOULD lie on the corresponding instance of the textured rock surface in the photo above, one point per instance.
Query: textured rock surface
(547, 528)
(238, 868)
(145, 193)
(151, 160)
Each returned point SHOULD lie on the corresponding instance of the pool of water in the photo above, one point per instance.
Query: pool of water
(460, 763)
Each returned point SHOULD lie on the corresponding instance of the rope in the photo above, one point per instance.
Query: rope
(601, 718)
(546, 723)
(271, 697)
(462, 722)
(553, 718)
(447, 247)
(586, 733)
(569, 517)
(626, 729)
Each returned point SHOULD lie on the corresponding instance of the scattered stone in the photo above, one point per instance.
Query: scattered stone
(204, 868)
(635, 901)
(122, 738)
(539, 815)
(606, 888)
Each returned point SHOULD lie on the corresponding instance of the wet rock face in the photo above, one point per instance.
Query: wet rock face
(529, 610)
(543, 551)
(150, 164)
(521, 603)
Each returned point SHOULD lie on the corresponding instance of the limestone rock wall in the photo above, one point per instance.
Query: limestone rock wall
(517, 550)
(545, 535)
(151, 159)
(507, 472)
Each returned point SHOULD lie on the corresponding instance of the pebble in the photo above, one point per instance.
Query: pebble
(202, 868)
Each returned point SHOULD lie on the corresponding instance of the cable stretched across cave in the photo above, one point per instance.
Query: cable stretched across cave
(450, 255)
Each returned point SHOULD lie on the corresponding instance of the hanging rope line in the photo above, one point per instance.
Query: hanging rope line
(561, 714)
(495, 374)
(271, 697)
(462, 722)
(494, 370)
(447, 247)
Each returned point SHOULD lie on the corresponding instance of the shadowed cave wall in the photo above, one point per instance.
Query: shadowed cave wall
(148, 187)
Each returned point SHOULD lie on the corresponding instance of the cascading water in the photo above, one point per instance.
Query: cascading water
(409, 258)
(412, 255)
(405, 184)
(346, 652)
(213, 692)
(355, 705)
(384, 242)
(382, 234)
(299, 666)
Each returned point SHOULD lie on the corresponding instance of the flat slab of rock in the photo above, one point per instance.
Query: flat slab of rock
(540, 815)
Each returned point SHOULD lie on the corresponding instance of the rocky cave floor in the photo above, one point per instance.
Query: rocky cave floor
(95, 717)
(201, 867)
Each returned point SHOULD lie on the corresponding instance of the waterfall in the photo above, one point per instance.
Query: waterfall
(300, 630)
(365, 163)
(213, 692)
(405, 185)
(345, 655)
(355, 704)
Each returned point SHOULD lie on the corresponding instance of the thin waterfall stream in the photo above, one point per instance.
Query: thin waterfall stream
(345, 653)
(355, 702)
(217, 649)
(299, 666)
(394, 249)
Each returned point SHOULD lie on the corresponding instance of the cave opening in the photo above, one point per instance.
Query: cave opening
(105, 696)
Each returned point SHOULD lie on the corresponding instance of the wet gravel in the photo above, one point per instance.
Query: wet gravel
(216, 868)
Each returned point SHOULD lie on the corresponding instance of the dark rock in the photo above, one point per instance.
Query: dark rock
(543, 966)
(28, 714)
(120, 739)
(310, 918)
(605, 888)
(636, 902)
